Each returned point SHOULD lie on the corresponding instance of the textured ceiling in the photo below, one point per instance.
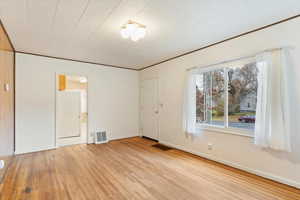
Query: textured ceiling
(88, 30)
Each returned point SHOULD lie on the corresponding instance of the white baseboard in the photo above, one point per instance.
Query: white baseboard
(123, 137)
(235, 165)
(34, 150)
(50, 148)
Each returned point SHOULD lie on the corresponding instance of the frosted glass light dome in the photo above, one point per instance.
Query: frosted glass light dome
(133, 30)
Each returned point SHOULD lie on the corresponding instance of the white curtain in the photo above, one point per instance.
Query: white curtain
(273, 112)
(189, 103)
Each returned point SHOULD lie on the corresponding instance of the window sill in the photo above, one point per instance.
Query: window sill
(220, 129)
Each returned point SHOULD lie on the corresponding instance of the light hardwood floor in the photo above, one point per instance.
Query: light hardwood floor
(131, 169)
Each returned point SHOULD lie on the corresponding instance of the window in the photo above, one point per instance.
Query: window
(210, 97)
(226, 97)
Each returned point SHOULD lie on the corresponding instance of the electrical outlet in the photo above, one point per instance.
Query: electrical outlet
(210, 146)
(2, 164)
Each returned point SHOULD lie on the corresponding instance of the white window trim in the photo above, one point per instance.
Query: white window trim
(226, 113)
(224, 130)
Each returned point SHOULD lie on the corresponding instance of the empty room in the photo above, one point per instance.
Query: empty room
(149, 99)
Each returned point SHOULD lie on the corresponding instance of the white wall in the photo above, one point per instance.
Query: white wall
(112, 100)
(238, 151)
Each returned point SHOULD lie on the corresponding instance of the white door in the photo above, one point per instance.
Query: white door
(68, 117)
(149, 108)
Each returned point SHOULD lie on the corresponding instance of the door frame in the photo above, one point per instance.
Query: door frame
(55, 100)
(158, 106)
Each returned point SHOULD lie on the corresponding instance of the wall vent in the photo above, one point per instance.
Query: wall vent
(101, 137)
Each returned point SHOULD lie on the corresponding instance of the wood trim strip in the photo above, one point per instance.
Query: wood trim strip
(228, 39)
(11, 44)
(74, 60)
(14, 81)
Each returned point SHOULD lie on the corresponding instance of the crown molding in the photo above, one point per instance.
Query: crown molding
(163, 61)
(74, 60)
(220, 42)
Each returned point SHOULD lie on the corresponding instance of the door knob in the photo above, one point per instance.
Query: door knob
(156, 112)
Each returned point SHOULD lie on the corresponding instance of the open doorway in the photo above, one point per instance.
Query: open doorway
(71, 110)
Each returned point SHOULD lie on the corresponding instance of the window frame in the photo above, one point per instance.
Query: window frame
(225, 129)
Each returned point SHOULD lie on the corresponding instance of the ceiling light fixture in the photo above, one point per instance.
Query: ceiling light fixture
(133, 30)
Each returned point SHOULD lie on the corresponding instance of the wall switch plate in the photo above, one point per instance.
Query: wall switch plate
(209, 146)
(6, 87)
(2, 164)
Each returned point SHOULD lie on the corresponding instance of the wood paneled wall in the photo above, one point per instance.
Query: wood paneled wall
(7, 66)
